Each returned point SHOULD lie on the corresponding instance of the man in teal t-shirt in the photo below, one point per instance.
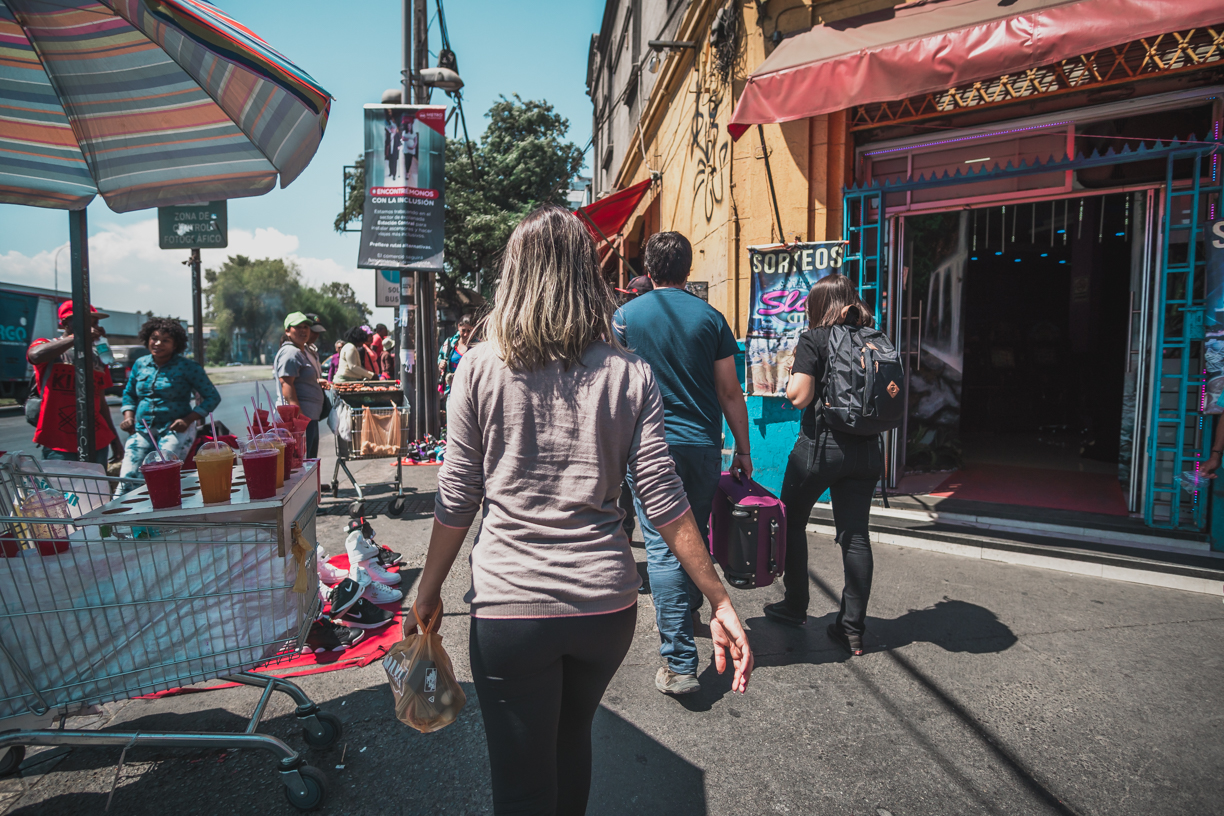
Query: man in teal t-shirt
(691, 349)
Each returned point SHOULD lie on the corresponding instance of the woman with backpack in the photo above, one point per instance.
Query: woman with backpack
(848, 465)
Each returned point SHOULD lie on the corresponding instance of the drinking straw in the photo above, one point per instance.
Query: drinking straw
(214, 426)
(248, 417)
(149, 433)
(268, 394)
(258, 424)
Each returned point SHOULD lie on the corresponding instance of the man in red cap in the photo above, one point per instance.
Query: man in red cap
(55, 375)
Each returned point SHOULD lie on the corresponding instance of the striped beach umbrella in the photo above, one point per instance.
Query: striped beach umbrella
(147, 103)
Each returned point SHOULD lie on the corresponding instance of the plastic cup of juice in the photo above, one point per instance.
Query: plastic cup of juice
(287, 412)
(293, 459)
(215, 467)
(279, 444)
(259, 465)
(164, 480)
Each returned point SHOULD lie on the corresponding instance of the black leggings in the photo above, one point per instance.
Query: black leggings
(540, 681)
(848, 467)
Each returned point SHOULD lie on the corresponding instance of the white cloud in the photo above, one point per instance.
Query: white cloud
(129, 273)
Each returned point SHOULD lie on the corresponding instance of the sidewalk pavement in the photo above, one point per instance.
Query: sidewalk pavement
(987, 688)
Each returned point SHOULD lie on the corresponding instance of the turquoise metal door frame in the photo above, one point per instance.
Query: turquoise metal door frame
(1177, 427)
(865, 263)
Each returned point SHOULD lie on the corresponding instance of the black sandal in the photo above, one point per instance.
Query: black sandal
(851, 643)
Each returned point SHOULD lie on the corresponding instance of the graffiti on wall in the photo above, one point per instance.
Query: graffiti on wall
(709, 146)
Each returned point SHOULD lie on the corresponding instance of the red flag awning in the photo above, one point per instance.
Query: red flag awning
(931, 45)
(611, 212)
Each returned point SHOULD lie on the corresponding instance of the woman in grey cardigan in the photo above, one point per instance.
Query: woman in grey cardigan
(544, 420)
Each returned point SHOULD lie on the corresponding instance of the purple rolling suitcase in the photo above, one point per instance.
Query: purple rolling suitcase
(747, 533)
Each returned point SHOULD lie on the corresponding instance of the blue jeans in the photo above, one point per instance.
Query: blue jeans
(675, 595)
(138, 447)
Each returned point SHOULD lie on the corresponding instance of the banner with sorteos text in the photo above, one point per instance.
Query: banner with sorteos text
(1213, 319)
(402, 221)
(781, 277)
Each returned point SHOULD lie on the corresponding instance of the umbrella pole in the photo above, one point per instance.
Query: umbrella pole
(82, 351)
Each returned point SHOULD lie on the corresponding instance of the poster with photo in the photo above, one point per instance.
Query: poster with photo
(781, 277)
(402, 222)
(1213, 319)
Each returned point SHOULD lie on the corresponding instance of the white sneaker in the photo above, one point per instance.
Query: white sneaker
(377, 573)
(360, 548)
(328, 573)
(374, 592)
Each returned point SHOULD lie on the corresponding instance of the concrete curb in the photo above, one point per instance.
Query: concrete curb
(1060, 558)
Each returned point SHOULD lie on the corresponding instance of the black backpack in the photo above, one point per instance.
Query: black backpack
(864, 392)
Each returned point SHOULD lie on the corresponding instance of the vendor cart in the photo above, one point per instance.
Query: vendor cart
(122, 600)
(384, 401)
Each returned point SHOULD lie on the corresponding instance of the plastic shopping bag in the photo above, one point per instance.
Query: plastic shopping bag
(427, 695)
(380, 432)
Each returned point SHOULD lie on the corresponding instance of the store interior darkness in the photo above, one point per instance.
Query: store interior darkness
(1044, 309)
(1045, 334)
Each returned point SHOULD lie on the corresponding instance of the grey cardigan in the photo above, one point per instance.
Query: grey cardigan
(545, 453)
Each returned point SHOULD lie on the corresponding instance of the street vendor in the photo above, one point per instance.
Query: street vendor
(351, 368)
(159, 393)
(56, 386)
(298, 377)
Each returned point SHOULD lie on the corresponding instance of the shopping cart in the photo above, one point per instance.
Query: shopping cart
(358, 447)
(107, 605)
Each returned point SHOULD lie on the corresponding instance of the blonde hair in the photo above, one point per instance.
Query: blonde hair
(552, 302)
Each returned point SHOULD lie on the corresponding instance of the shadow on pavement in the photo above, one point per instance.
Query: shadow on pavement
(632, 773)
(955, 626)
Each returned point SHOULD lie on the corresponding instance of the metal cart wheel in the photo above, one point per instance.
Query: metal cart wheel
(397, 506)
(10, 760)
(322, 729)
(311, 787)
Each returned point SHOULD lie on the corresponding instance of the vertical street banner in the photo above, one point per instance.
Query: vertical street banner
(402, 220)
(1213, 319)
(781, 277)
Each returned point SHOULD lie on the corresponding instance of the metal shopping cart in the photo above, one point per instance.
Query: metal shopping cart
(120, 601)
(384, 406)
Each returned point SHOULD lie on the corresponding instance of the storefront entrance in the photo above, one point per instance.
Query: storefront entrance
(1019, 325)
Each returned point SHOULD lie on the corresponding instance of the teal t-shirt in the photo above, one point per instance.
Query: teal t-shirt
(680, 336)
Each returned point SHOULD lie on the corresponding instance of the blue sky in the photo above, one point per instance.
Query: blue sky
(537, 50)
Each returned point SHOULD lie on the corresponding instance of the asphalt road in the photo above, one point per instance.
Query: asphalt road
(16, 434)
(987, 688)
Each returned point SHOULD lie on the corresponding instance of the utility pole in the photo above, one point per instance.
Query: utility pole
(197, 309)
(82, 343)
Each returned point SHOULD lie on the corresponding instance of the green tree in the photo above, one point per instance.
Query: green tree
(522, 161)
(255, 295)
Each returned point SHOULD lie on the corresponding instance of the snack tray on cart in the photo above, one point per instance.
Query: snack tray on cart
(369, 392)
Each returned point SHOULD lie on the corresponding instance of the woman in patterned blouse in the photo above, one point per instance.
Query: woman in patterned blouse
(159, 391)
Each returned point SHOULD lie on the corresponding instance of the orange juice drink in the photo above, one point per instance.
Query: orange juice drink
(215, 466)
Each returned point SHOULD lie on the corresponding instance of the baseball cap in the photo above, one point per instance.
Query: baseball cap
(317, 327)
(65, 311)
(296, 319)
(638, 286)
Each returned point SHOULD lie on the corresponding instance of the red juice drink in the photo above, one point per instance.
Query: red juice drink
(164, 481)
(260, 465)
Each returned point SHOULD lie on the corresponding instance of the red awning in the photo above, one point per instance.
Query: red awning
(611, 212)
(931, 45)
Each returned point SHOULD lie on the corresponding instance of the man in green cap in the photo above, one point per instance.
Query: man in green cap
(299, 381)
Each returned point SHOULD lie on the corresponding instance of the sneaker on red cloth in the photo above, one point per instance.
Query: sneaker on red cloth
(326, 636)
(365, 615)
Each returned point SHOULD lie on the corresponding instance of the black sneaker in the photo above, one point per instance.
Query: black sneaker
(388, 558)
(325, 636)
(343, 595)
(851, 643)
(365, 615)
(781, 613)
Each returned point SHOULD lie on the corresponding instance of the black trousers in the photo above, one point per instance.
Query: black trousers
(848, 467)
(539, 682)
